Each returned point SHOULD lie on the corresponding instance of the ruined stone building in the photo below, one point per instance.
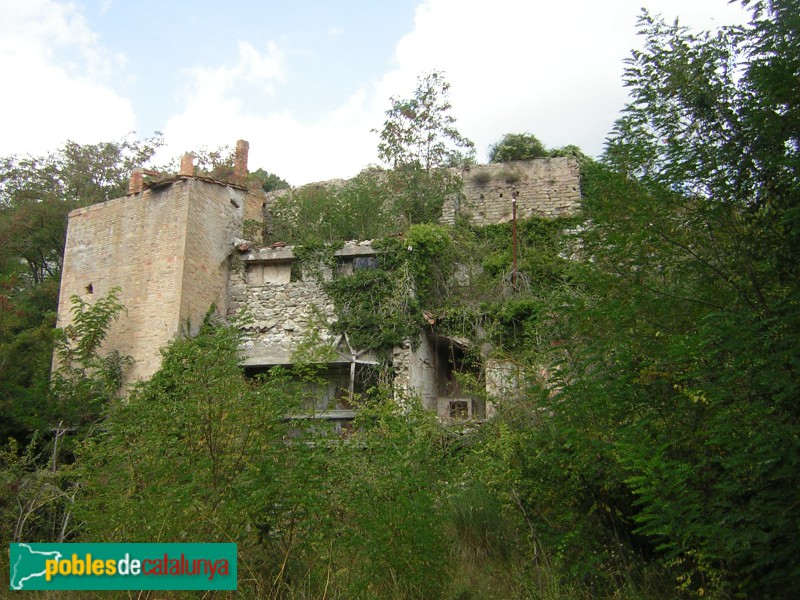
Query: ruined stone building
(173, 246)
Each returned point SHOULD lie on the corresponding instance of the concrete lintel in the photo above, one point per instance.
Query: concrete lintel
(356, 250)
(456, 340)
(274, 358)
(269, 255)
(286, 254)
(330, 415)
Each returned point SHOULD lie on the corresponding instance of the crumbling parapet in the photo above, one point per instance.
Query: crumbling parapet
(545, 187)
(548, 187)
(136, 184)
(187, 165)
(240, 161)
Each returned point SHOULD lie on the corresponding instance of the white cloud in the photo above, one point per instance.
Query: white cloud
(210, 86)
(214, 115)
(257, 69)
(338, 145)
(53, 67)
(552, 69)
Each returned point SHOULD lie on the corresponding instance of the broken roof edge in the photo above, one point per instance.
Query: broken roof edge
(169, 180)
(153, 186)
(137, 184)
(284, 254)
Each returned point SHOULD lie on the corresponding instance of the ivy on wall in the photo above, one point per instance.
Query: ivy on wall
(457, 278)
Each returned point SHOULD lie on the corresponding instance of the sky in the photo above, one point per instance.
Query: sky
(307, 81)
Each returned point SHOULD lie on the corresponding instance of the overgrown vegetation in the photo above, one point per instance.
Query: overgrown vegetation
(420, 143)
(85, 381)
(84, 385)
(326, 214)
(517, 146)
(201, 452)
(650, 450)
(36, 194)
(526, 146)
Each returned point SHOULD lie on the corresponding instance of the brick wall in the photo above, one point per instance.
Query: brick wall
(214, 220)
(166, 248)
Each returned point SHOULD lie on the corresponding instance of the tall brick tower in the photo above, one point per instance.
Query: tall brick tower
(167, 246)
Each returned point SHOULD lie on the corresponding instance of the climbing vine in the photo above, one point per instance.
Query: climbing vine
(312, 258)
(456, 279)
(426, 251)
(376, 307)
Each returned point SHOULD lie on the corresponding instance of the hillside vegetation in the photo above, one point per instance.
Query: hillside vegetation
(651, 450)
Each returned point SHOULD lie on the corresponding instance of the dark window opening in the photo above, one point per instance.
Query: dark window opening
(329, 388)
(459, 409)
(453, 361)
(365, 262)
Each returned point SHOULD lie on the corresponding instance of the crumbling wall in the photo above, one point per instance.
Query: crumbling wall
(283, 310)
(545, 187)
(214, 221)
(548, 187)
(254, 204)
(281, 316)
(415, 371)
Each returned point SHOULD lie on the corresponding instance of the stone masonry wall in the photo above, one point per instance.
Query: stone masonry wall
(283, 316)
(547, 187)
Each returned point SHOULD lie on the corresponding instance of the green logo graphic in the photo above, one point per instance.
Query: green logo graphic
(28, 564)
(123, 567)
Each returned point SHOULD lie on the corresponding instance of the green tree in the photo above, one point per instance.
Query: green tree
(201, 452)
(269, 182)
(36, 194)
(194, 453)
(305, 216)
(38, 487)
(420, 131)
(674, 405)
(419, 141)
(359, 209)
(386, 486)
(86, 381)
(517, 146)
(27, 324)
